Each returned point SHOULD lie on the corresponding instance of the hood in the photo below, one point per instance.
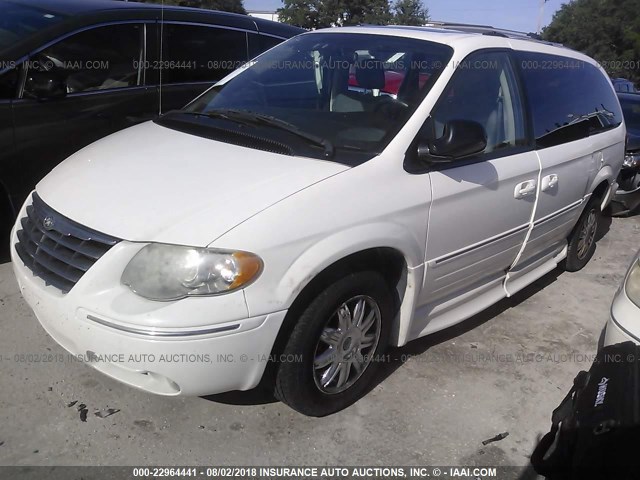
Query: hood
(151, 183)
(633, 143)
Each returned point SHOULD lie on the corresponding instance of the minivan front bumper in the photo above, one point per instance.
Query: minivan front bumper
(189, 347)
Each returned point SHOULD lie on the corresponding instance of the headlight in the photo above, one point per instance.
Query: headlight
(632, 160)
(632, 287)
(169, 272)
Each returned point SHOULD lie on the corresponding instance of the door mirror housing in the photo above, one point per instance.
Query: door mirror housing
(461, 138)
(45, 86)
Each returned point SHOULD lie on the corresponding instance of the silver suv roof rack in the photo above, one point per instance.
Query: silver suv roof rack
(489, 30)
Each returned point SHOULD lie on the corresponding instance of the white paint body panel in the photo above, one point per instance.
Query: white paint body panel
(152, 184)
(624, 321)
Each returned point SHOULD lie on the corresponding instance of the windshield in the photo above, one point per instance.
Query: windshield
(354, 91)
(17, 22)
(631, 111)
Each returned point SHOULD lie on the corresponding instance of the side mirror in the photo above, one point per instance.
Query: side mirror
(45, 86)
(461, 138)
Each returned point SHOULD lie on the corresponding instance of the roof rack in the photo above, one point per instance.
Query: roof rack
(490, 31)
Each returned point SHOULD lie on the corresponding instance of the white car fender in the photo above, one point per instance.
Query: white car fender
(606, 174)
(304, 265)
(341, 245)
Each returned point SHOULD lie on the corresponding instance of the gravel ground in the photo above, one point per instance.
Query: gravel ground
(436, 401)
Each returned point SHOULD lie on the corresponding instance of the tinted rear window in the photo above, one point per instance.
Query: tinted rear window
(570, 99)
(201, 54)
(260, 43)
(17, 22)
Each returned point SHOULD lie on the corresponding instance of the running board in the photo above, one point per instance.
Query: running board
(512, 287)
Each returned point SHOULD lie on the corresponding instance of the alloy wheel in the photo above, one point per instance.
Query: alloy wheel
(347, 344)
(587, 234)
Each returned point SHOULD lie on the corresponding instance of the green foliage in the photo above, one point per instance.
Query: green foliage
(303, 13)
(234, 6)
(410, 12)
(607, 30)
(313, 14)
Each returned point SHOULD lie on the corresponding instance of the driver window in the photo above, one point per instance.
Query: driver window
(484, 90)
(102, 58)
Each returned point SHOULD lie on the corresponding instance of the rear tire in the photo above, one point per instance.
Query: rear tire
(582, 242)
(336, 345)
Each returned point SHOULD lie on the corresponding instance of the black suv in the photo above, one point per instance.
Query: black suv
(74, 71)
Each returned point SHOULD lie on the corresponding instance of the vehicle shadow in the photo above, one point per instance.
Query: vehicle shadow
(263, 393)
(260, 395)
(398, 356)
(604, 226)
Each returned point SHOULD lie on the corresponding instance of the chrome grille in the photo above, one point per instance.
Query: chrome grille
(57, 249)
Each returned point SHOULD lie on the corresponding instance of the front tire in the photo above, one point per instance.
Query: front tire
(336, 345)
(582, 242)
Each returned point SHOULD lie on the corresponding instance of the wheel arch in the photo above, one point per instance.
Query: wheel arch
(601, 187)
(344, 247)
(392, 261)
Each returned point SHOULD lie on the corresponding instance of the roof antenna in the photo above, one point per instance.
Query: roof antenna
(161, 58)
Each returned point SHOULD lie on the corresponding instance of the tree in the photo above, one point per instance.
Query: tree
(234, 6)
(313, 14)
(607, 30)
(334, 13)
(302, 13)
(410, 12)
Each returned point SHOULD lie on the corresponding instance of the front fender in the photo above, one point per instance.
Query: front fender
(606, 174)
(340, 245)
(325, 253)
(290, 267)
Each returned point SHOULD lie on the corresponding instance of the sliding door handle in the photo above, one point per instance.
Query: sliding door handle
(549, 182)
(525, 189)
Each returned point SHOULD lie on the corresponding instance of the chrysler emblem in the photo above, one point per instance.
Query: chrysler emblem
(48, 223)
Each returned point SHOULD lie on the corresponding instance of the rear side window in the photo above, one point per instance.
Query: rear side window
(201, 54)
(569, 99)
(259, 43)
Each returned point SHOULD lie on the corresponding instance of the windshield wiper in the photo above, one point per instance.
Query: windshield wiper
(247, 117)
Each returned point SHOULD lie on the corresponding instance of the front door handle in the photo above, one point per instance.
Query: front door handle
(549, 182)
(525, 189)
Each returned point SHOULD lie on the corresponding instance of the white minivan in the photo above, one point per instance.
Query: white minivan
(348, 190)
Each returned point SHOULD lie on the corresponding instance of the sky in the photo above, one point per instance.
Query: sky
(519, 15)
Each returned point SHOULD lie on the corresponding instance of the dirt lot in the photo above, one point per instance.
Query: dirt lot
(502, 371)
